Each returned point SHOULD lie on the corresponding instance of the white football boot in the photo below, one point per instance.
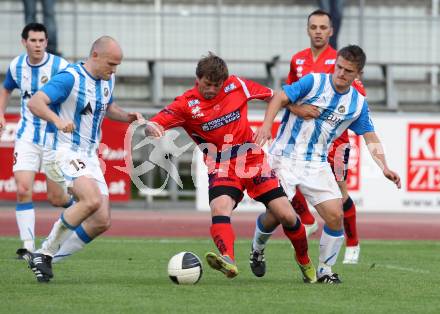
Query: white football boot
(351, 254)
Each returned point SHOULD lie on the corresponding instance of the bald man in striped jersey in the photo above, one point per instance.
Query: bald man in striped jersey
(79, 98)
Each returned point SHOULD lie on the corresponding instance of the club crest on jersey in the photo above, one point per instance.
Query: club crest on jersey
(330, 61)
(341, 109)
(300, 61)
(193, 102)
(196, 112)
(230, 87)
(44, 79)
(105, 91)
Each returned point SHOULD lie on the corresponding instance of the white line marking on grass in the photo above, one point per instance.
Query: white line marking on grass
(406, 269)
(399, 242)
(241, 241)
(176, 241)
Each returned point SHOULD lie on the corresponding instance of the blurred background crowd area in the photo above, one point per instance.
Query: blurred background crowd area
(163, 39)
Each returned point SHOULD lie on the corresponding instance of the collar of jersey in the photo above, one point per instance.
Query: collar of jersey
(87, 72)
(321, 55)
(46, 55)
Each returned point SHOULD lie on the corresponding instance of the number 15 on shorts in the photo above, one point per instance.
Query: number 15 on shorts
(77, 164)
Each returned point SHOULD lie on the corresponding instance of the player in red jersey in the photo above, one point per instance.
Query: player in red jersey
(320, 58)
(214, 114)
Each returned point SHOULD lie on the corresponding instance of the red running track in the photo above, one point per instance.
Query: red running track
(191, 223)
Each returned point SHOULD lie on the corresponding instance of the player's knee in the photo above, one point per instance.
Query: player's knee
(221, 207)
(287, 218)
(93, 203)
(56, 200)
(24, 191)
(335, 219)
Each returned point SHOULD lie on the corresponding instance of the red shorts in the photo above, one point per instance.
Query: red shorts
(249, 172)
(338, 157)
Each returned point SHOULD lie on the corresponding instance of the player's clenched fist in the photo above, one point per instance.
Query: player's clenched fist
(65, 126)
(262, 135)
(136, 116)
(154, 129)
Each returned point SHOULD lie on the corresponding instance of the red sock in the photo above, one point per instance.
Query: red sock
(350, 223)
(299, 241)
(299, 203)
(223, 236)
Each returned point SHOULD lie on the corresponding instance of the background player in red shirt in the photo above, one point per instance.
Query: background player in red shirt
(320, 58)
(214, 114)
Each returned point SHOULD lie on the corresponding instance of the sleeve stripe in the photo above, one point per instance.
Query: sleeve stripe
(246, 91)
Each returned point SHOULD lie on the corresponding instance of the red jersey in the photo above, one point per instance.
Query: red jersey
(302, 63)
(221, 120)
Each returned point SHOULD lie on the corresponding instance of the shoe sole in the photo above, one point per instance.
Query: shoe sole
(217, 263)
(350, 262)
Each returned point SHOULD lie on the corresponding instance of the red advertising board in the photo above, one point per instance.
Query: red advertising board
(423, 166)
(111, 152)
(8, 188)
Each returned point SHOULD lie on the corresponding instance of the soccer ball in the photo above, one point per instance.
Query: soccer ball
(185, 268)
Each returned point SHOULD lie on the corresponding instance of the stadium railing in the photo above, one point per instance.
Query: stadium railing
(155, 79)
(274, 78)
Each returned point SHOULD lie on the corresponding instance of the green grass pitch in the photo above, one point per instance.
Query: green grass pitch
(114, 275)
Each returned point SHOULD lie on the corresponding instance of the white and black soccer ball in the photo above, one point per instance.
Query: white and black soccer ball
(185, 268)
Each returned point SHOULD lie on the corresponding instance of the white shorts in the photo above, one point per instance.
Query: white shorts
(315, 179)
(64, 166)
(27, 156)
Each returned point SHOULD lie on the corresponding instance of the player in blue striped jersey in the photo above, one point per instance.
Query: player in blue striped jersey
(299, 152)
(28, 73)
(80, 97)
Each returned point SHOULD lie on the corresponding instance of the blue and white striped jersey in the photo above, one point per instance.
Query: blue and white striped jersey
(77, 96)
(310, 140)
(29, 79)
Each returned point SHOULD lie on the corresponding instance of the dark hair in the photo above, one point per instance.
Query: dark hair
(355, 54)
(212, 68)
(320, 12)
(36, 27)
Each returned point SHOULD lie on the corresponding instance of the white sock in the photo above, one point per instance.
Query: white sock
(260, 237)
(74, 243)
(329, 247)
(61, 231)
(25, 215)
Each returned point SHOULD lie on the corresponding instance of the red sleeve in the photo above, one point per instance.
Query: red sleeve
(255, 90)
(357, 84)
(171, 116)
(291, 77)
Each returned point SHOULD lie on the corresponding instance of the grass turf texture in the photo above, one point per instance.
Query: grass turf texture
(115, 275)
